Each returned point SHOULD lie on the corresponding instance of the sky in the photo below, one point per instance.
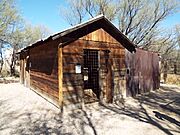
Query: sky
(47, 13)
(43, 12)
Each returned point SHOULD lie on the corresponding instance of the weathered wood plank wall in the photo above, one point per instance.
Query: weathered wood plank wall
(60, 76)
(68, 88)
(143, 72)
(100, 36)
(24, 69)
(44, 69)
(73, 54)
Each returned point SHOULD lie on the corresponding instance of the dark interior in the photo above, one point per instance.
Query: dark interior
(91, 66)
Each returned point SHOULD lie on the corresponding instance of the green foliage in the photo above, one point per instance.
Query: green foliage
(33, 33)
(15, 33)
(8, 16)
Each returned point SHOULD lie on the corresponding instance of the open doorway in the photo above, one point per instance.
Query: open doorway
(91, 74)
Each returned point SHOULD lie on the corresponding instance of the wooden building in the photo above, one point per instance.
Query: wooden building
(82, 64)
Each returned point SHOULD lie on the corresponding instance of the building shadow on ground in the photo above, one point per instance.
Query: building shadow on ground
(167, 99)
(81, 121)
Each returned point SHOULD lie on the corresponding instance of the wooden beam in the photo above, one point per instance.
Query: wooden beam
(22, 71)
(109, 80)
(60, 77)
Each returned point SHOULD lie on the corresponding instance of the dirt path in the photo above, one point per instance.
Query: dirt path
(24, 112)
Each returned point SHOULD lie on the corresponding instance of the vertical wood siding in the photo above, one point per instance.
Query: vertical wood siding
(100, 36)
(60, 76)
(144, 72)
(24, 69)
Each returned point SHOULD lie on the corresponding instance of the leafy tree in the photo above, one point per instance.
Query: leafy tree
(15, 33)
(22, 37)
(8, 16)
(33, 33)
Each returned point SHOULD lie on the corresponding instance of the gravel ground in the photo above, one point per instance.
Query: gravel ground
(24, 112)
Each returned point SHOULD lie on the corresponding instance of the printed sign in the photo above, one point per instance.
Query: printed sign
(78, 69)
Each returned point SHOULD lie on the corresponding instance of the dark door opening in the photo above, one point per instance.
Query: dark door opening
(91, 69)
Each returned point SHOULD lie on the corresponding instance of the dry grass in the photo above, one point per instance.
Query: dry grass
(173, 79)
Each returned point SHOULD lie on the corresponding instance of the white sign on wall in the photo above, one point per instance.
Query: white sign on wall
(78, 69)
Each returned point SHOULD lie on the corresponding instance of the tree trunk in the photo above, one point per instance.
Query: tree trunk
(175, 67)
(1, 58)
(13, 63)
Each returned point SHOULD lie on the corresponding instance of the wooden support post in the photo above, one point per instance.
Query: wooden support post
(22, 71)
(60, 77)
(109, 81)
